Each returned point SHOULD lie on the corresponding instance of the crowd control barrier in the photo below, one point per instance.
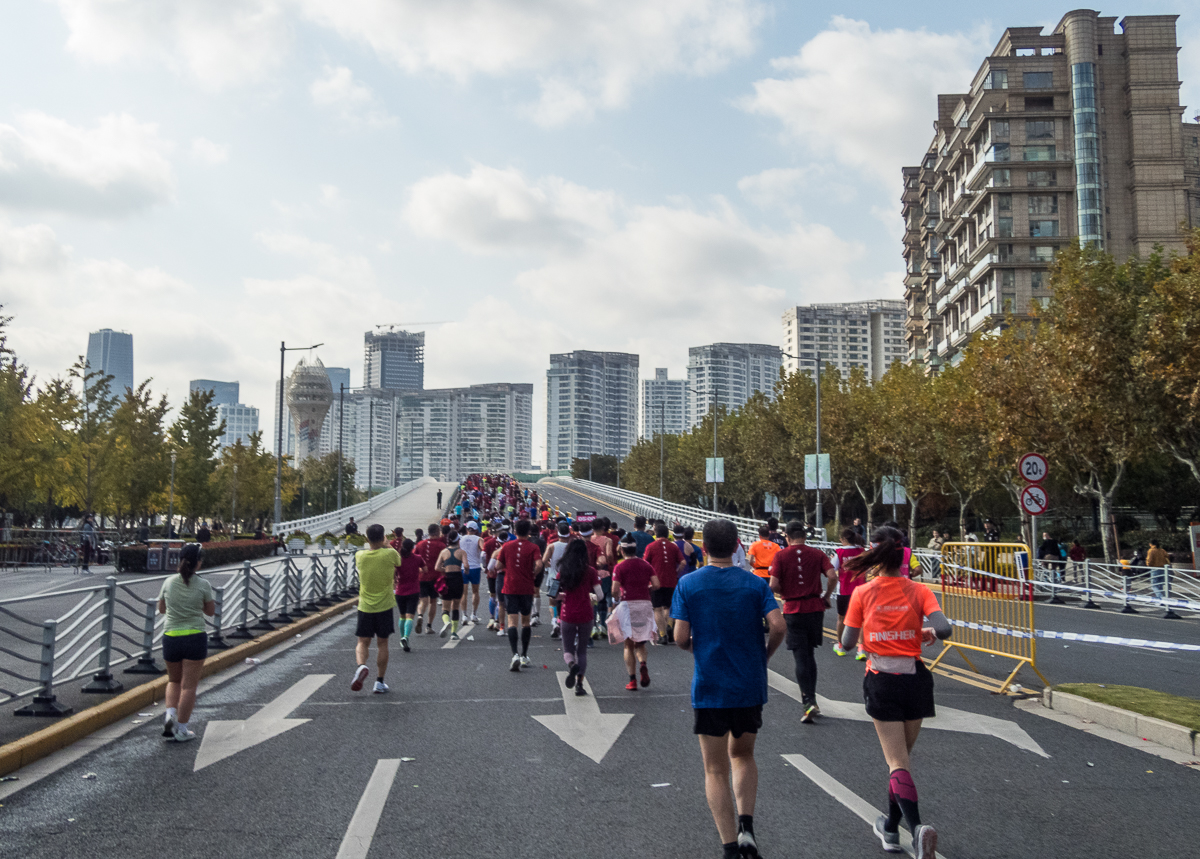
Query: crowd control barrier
(987, 593)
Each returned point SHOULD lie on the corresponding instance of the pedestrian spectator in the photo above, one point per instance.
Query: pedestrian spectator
(87, 541)
(991, 531)
(376, 600)
(936, 541)
(203, 535)
(143, 534)
(351, 527)
(718, 612)
(1077, 555)
(439, 500)
(1050, 555)
(861, 530)
(184, 599)
(1157, 560)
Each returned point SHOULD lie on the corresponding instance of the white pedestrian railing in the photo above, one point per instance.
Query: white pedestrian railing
(335, 520)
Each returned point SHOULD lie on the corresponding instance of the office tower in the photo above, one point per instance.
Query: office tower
(664, 404)
(1071, 136)
(591, 405)
(394, 360)
(241, 422)
(224, 393)
(733, 371)
(111, 353)
(868, 335)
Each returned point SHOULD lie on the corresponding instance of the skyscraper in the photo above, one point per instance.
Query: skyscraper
(1072, 135)
(734, 371)
(591, 405)
(111, 352)
(224, 393)
(394, 360)
(664, 405)
(868, 335)
(240, 420)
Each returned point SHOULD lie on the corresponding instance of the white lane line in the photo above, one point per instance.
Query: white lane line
(361, 831)
(846, 797)
(462, 634)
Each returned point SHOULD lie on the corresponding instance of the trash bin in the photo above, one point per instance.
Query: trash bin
(154, 559)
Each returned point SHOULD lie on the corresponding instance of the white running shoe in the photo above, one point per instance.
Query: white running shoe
(474, 618)
(503, 632)
(360, 676)
(515, 665)
(183, 735)
(168, 726)
(380, 687)
(535, 621)
(526, 661)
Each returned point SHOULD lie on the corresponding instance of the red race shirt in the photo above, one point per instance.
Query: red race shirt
(576, 605)
(429, 551)
(407, 580)
(848, 581)
(665, 557)
(890, 611)
(800, 570)
(518, 557)
(488, 545)
(633, 575)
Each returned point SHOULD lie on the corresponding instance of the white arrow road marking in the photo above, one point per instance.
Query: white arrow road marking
(948, 719)
(584, 728)
(462, 633)
(846, 797)
(361, 831)
(224, 739)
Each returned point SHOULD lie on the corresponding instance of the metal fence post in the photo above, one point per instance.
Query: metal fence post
(1170, 613)
(102, 680)
(146, 663)
(311, 605)
(1127, 608)
(300, 610)
(214, 638)
(46, 704)
(1087, 584)
(326, 599)
(264, 622)
(243, 631)
(283, 616)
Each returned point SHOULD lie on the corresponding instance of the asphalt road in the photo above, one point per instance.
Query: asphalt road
(488, 779)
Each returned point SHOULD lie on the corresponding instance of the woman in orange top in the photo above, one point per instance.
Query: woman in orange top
(891, 612)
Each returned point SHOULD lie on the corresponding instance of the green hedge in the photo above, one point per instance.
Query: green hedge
(132, 559)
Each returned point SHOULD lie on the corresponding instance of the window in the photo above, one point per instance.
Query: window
(1041, 253)
(996, 79)
(1008, 278)
(1004, 202)
(1002, 177)
(1043, 204)
(1004, 228)
(999, 152)
(1037, 80)
(999, 129)
(1041, 178)
(1040, 153)
(1039, 104)
(1039, 129)
(1037, 280)
(1006, 253)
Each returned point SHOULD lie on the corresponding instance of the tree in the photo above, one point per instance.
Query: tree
(93, 437)
(140, 463)
(196, 435)
(906, 438)
(320, 481)
(601, 467)
(18, 427)
(962, 433)
(255, 479)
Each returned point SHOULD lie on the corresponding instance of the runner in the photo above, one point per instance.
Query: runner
(796, 576)
(668, 563)
(632, 582)
(556, 546)
(428, 549)
(450, 565)
(407, 585)
(773, 533)
(376, 577)
(470, 545)
(579, 587)
(185, 600)
(718, 611)
(606, 559)
(498, 574)
(848, 580)
(891, 611)
(535, 537)
(487, 547)
(684, 535)
(762, 552)
(520, 563)
(643, 537)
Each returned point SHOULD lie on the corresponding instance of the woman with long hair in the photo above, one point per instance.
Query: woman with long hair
(407, 587)
(185, 599)
(891, 612)
(848, 580)
(578, 584)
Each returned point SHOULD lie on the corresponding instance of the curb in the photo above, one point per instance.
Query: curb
(1164, 733)
(26, 750)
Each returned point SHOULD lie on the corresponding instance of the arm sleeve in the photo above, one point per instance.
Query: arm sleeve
(941, 626)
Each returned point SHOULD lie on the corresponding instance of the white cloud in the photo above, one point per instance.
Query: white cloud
(867, 98)
(338, 91)
(205, 150)
(218, 43)
(117, 167)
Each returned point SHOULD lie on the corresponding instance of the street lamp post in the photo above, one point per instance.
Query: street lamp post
(662, 431)
(171, 496)
(233, 512)
(714, 414)
(370, 447)
(341, 411)
(283, 349)
(820, 513)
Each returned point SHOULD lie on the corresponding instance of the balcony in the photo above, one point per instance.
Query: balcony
(987, 310)
(981, 266)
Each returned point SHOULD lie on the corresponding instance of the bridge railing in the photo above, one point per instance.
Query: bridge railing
(337, 519)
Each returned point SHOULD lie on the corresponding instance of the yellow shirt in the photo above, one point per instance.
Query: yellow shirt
(376, 574)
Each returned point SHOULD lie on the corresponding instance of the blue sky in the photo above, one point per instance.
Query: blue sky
(218, 175)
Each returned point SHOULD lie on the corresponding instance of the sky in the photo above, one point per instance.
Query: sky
(515, 177)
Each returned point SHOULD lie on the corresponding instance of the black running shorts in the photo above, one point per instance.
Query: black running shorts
(899, 697)
(177, 648)
(661, 597)
(843, 605)
(454, 587)
(519, 604)
(427, 591)
(407, 603)
(719, 721)
(805, 629)
(375, 624)
(492, 585)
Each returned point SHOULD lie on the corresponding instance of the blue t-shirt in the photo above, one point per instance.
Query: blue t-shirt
(726, 607)
(643, 539)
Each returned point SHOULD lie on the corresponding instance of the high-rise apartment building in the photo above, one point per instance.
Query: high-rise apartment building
(868, 335)
(591, 405)
(111, 352)
(394, 360)
(450, 432)
(224, 393)
(664, 405)
(241, 422)
(1076, 135)
(731, 371)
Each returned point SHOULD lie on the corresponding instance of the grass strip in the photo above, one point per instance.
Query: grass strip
(1148, 702)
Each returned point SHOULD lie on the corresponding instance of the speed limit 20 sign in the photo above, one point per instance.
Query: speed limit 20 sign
(1034, 500)
(1033, 467)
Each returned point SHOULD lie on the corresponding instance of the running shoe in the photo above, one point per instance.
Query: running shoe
(168, 725)
(580, 691)
(445, 628)
(429, 630)
(183, 735)
(860, 656)
(747, 846)
(571, 672)
(809, 713)
(380, 687)
(889, 840)
(535, 621)
(645, 675)
(492, 624)
(526, 661)
(925, 842)
(555, 632)
(454, 636)
(515, 665)
(474, 618)
(502, 632)
(838, 651)
(404, 644)
(631, 686)
(360, 676)
(420, 624)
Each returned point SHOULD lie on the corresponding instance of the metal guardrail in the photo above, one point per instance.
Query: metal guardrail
(112, 624)
(338, 518)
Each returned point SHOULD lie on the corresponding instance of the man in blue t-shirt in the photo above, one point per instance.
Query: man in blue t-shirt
(718, 612)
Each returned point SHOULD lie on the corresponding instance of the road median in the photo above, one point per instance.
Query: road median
(1181, 738)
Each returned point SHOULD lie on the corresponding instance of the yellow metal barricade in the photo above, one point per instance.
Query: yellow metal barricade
(987, 590)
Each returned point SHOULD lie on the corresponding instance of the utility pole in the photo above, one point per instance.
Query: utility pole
(820, 518)
(714, 449)
(371, 448)
(662, 431)
(341, 411)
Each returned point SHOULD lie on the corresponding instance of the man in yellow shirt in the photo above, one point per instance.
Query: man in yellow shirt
(376, 599)
(762, 552)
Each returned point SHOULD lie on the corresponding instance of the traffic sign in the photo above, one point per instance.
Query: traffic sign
(1034, 500)
(1033, 467)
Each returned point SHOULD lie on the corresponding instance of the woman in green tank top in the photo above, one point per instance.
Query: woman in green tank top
(185, 599)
